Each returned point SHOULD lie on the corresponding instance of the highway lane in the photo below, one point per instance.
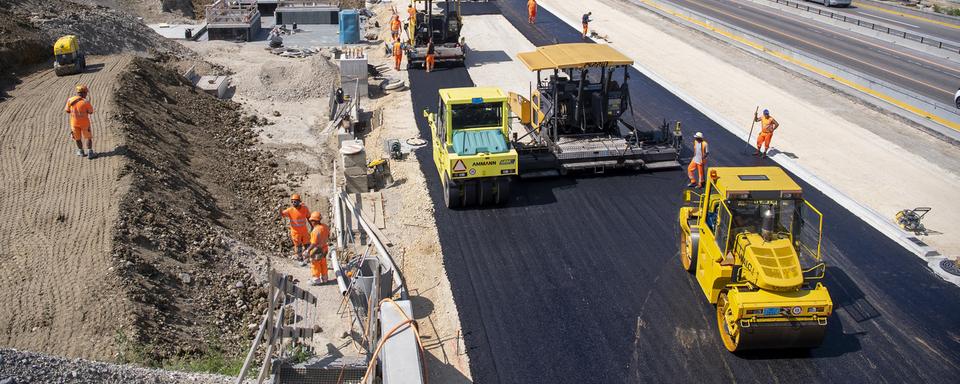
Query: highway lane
(912, 21)
(577, 280)
(919, 72)
(939, 28)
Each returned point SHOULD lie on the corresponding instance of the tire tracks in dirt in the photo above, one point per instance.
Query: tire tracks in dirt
(58, 293)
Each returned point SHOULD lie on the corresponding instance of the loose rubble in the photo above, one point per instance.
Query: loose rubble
(202, 196)
(20, 367)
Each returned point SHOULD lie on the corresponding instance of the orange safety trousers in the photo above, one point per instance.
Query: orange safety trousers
(585, 26)
(299, 238)
(532, 13)
(764, 139)
(318, 267)
(694, 166)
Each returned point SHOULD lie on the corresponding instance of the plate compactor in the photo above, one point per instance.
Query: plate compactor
(753, 244)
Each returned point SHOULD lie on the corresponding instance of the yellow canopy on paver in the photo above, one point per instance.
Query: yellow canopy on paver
(577, 55)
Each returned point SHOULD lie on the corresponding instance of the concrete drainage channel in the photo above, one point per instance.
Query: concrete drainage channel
(938, 118)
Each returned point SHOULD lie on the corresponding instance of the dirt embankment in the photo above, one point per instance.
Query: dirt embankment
(28, 29)
(202, 196)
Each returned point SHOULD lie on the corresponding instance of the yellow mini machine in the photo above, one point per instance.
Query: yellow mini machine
(753, 244)
(68, 57)
(475, 160)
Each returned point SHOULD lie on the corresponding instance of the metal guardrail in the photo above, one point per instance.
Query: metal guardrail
(912, 100)
(926, 40)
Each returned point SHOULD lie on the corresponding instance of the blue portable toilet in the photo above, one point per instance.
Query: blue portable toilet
(349, 26)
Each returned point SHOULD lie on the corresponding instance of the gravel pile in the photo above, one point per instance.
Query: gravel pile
(288, 79)
(20, 367)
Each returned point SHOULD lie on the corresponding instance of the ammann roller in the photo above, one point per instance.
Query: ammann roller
(753, 244)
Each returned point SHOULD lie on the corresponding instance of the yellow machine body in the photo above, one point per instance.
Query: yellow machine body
(753, 245)
(68, 57)
(475, 160)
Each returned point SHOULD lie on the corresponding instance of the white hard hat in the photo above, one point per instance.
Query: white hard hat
(698, 135)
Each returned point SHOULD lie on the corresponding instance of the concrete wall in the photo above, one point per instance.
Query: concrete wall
(323, 15)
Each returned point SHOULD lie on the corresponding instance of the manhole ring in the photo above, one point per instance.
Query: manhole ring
(950, 266)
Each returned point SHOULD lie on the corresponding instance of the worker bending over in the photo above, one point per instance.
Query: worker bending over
(80, 110)
(397, 53)
(431, 56)
(699, 161)
(317, 253)
(297, 215)
(586, 22)
(532, 11)
(767, 125)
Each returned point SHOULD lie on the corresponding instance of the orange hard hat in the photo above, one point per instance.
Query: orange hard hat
(315, 216)
(82, 88)
(296, 196)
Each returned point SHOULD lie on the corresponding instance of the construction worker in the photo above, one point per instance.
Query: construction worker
(397, 53)
(395, 26)
(699, 161)
(532, 11)
(297, 216)
(411, 14)
(431, 56)
(80, 110)
(586, 22)
(767, 125)
(317, 253)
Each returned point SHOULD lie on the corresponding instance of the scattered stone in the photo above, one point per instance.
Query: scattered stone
(276, 113)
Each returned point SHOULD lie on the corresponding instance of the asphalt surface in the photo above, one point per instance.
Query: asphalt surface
(915, 71)
(578, 280)
(923, 23)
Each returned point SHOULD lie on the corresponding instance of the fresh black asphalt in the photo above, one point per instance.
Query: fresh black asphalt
(578, 280)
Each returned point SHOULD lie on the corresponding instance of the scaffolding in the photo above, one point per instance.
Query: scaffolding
(233, 13)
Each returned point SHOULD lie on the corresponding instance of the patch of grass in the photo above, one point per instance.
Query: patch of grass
(214, 361)
(130, 352)
(946, 10)
(298, 353)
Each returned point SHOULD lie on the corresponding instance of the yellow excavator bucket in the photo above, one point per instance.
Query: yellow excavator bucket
(771, 265)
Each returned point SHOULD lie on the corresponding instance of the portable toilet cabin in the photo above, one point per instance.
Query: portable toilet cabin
(349, 26)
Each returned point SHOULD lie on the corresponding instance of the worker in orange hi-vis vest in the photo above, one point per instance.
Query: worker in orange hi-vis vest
(767, 125)
(397, 53)
(317, 253)
(532, 11)
(699, 161)
(297, 216)
(80, 110)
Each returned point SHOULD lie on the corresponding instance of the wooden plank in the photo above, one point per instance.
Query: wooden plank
(379, 220)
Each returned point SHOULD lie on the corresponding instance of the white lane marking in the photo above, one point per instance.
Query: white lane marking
(890, 20)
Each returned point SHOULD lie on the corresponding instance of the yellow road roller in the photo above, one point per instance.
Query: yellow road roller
(474, 158)
(753, 245)
(68, 57)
